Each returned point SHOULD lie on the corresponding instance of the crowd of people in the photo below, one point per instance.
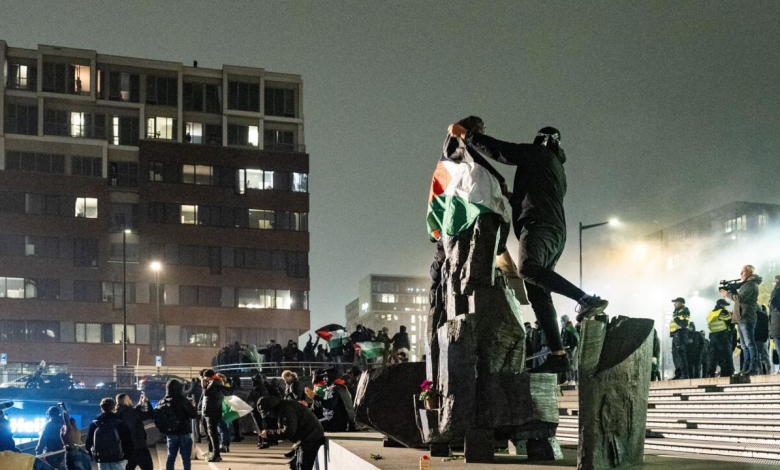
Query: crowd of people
(749, 332)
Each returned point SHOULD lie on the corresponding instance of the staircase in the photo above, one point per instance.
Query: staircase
(702, 418)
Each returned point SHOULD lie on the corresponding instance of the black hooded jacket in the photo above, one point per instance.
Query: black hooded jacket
(184, 410)
(121, 427)
(296, 422)
(540, 180)
(50, 437)
(135, 417)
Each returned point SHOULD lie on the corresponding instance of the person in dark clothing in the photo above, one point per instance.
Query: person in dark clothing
(762, 339)
(360, 335)
(179, 440)
(309, 351)
(297, 424)
(195, 391)
(336, 404)
(745, 298)
(678, 330)
(694, 351)
(384, 338)
(135, 417)
(259, 391)
(705, 356)
(400, 341)
(540, 226)
(774, 313)
(49, 440)
(655, 373)
(214, 392)
(293, 389)
(720, 348)
(107, 421)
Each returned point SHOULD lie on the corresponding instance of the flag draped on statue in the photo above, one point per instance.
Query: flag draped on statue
(370, 349)
(461, 190)
(334, 334)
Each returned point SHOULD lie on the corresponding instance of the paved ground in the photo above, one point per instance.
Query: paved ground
(245, 456)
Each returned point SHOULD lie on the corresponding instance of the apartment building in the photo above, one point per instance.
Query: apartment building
(110, 165)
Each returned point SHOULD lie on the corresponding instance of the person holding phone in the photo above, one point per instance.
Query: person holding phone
(135, 416)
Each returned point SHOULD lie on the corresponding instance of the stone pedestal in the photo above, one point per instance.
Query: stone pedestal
(615, 360)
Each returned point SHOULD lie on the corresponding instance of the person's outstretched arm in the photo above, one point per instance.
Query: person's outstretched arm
(507, 153)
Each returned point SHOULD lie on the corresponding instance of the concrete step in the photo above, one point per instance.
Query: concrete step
(720, 404)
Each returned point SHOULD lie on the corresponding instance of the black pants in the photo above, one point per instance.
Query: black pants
(540, 250)
(306, 454)
(140, 458)
(720, 354)
(679, 354)
(212, 429)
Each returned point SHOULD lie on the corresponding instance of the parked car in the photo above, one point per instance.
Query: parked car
(58, 381)
(154, 385)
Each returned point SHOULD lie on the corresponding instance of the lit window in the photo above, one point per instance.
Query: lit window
(254, 136)
(414, 339)
(262, 219)
(414, 327)
(395, 317)
(81, 80)
(194, 132)
(189, 214)
(77, 124)
(283, 299)
(387, 298)
(196, 174)
(115, 130)
(12, 287)
(259, 179)
(300, 183)
(87, 207)
(414, 318)
(762, 220)
(160, 128)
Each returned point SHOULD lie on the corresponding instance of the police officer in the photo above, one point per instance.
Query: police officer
(678, 330)
(719, 323)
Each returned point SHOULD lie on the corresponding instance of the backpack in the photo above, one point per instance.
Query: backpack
(107, 446)
(165, 418)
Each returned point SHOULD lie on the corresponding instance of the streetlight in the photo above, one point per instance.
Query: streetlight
(125, 233)
(156, 267)
(611, 222)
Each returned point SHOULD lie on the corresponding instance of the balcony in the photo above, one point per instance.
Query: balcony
(284, 147)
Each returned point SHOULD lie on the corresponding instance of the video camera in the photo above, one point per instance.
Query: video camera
(730, 286)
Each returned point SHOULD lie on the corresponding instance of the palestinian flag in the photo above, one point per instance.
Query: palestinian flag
(460, 191)
(370, 349)
(334, 334)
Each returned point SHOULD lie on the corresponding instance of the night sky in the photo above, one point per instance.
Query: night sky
(667, 109)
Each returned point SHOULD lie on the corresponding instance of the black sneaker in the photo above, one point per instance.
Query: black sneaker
(553, 365)
(591, 306)
(290, 454)
(214, 458)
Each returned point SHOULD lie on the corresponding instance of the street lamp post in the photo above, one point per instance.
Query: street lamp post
(586, 227)
(124, 297)
(156, 267)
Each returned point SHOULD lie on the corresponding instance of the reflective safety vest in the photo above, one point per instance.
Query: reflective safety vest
(682, 314)
(716, 320)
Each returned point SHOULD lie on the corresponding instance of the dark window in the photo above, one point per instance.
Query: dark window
(56, 122)
(274, 139)
(279, 102)
(244, 96)
(21, 119)
(164, 213)
(13, 203)
(35, 162)
(22, 76)
(112, 292)
(12, 245)
(214, 99)
(66, 78)
(87, 291)
(42, 247)
(193, 96)
(48, 204)
(123, 216)
(46, 289)
(297, 264)
(115, 253)
(213, 134)
(155, 171)
(123, 174)
(87, 166)
(188, 295)
(30, 331)
(124, 130)
(209, 296)
(242, 135)
(85, 252)
(161, 91)
(54, 77)
(194, 255)
(119, 86)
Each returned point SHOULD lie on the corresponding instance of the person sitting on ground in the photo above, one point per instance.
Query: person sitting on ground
(295, 423)
(135, 417)
(293, 389)
(336, 405)
(49, 440)
(109, 442)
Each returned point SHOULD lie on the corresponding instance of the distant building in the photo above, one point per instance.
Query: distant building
(207, 170)
(392, 301)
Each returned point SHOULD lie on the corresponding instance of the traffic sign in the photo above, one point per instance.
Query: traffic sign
(3, 359)
(158, 361)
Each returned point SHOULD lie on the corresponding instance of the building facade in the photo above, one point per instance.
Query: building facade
(108, 164)
(392, 302)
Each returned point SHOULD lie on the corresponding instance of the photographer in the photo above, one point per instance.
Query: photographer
(745, 297)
